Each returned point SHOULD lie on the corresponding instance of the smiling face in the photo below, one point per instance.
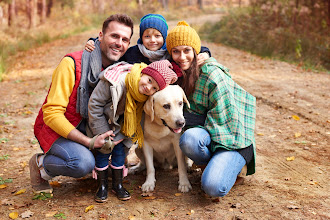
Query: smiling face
(147, 85)
(152, 39)
(114, 42)
(183, 56)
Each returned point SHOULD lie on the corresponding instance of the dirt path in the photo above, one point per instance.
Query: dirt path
(280, 189)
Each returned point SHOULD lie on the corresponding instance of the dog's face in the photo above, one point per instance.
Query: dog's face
(167, 106)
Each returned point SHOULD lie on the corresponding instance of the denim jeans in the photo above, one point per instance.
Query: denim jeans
(117, 158)
(223, 166)
(68, 158)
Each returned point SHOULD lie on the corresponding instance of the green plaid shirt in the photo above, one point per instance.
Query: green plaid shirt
(230, 110)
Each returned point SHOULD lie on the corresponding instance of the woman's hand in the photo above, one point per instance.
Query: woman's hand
(90, 46)
(201, 58)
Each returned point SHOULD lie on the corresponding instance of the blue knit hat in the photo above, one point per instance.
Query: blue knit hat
(155, 21)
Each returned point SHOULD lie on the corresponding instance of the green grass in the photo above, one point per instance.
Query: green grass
(260, 35)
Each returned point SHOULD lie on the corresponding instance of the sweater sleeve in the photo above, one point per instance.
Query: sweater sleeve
(63, 80)
(100, 98)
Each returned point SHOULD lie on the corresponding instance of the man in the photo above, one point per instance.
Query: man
(60, 124)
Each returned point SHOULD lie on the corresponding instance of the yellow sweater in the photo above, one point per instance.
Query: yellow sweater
(63, 80)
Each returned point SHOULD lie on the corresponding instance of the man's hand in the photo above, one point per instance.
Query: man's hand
(100, 140)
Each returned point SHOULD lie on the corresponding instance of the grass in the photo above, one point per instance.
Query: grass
(260, 35)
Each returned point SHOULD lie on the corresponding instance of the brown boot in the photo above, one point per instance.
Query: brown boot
(38, 184)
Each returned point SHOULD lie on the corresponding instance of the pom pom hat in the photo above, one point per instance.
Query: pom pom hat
(155, 21)
(162, 72)
(183, 35)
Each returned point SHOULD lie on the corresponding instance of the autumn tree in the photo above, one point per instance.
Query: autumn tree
(31, 12)
(11, 12)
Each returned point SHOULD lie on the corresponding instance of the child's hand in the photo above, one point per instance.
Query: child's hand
(202, 57)
(90, 46)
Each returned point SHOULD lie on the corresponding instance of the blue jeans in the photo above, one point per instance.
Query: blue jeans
(223, 166)
(68, 158)
(117, 158)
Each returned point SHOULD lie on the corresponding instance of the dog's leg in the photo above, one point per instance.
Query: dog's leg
(149, 184)
(141, 165)
(184, 184)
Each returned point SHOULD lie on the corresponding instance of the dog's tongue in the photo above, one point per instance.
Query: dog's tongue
(177, 130)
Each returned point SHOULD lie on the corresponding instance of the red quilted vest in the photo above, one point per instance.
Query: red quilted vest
(45, 135)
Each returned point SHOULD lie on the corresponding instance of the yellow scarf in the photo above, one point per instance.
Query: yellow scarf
(134, 105)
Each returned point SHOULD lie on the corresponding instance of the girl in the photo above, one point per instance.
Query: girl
(122, 91)
(221, 115)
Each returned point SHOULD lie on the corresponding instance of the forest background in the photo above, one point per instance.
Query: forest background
(295, 31)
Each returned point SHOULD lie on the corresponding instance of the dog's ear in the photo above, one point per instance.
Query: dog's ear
(149, 107)
(185, 100)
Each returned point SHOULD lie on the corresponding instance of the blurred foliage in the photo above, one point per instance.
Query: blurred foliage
(294, 31)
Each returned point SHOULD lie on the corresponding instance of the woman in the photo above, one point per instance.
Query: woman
(221, 118)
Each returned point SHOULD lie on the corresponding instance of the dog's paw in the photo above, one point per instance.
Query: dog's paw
(148, 186)
(185, 186)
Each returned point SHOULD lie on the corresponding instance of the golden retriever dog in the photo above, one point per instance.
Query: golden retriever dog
(162, 127)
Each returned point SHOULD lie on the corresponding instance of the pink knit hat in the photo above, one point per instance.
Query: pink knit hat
(162, 72)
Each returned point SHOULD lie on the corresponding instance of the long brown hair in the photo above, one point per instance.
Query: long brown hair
(190, 76)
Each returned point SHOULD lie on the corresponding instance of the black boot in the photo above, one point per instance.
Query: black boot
(102, 192)
(117, 185)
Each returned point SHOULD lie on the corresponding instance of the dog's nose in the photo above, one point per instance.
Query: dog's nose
(180, 123)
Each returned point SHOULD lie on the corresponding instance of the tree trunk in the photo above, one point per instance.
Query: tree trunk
(49, 8)
(31, 12)
(43, 11)
(189, 2)
(11, 13)
(164, 4)
(98, 6)
(1, 15)
(200, 4)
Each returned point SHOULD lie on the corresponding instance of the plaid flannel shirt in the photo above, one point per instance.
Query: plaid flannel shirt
(230, 110)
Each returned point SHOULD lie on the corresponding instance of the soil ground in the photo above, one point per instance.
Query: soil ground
(292, 177)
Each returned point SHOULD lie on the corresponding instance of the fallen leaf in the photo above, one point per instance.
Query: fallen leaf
(88, 208)
(178, 194)
(13, 215)
(147, 194)
(23, 164)
(313, 182)
(3, 186)
(27, 214)
(260, 134)
(216, 200)
(150, 197)
(50, 214)
(297, 134)
(290, 158)
(55, 184)
(296, 117)
(131, 217)
(172, 209)
(20, 192)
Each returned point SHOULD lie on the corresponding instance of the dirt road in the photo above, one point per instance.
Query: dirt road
(292, 136)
